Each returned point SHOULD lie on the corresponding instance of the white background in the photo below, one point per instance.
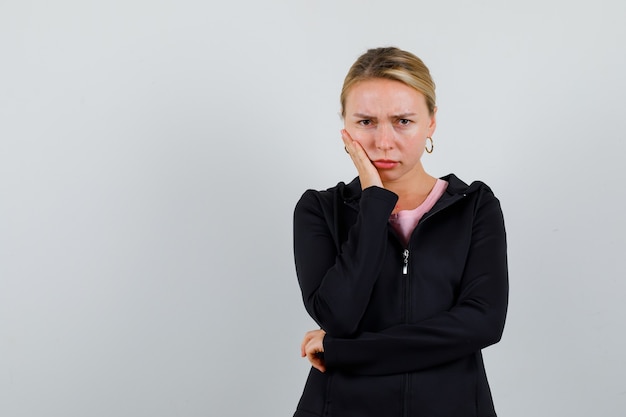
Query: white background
(151, 154)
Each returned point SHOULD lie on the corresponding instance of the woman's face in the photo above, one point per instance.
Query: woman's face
(391, 121)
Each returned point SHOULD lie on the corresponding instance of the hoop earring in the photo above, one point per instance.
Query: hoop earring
(432, 145)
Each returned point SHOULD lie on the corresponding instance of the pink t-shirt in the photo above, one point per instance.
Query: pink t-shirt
(405, 221)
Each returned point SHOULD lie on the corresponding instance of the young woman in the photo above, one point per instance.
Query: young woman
(405, 273)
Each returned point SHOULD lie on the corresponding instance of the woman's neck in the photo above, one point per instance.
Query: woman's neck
(412, 192)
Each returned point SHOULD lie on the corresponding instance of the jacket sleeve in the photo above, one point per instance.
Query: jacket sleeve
(474, 322)
(337, 283)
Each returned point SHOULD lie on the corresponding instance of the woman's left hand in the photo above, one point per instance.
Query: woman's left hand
(312, 346)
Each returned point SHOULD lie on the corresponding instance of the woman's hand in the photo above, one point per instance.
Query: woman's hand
(312, 346)
(367, 171)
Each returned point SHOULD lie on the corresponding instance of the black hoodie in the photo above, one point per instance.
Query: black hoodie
(404, 325)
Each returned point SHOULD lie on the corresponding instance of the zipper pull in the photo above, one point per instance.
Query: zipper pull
(405, 267)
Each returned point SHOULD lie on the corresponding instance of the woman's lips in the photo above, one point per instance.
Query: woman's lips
(384, 164)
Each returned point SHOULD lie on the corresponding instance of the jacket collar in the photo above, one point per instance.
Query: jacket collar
(351, 192)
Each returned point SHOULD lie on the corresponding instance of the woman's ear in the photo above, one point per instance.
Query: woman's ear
(433, 122)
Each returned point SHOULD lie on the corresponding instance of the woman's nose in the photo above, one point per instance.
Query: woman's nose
(384, 137)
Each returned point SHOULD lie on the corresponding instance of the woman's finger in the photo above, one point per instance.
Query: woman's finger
(368, 174)
(308, 336)
(305, 340)
(313, 349)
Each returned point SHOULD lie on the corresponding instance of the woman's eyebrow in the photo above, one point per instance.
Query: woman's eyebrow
(393, 116)
(403, 115)
(362, 116)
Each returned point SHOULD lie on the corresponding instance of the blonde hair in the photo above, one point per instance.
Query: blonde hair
(393, 64)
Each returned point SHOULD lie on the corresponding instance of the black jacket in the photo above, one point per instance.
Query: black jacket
(405, 325)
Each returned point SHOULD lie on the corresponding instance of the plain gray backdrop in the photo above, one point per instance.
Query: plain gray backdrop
(151, 154)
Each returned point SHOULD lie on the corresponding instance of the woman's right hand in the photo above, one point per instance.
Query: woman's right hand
(368, 174)
(312, 348)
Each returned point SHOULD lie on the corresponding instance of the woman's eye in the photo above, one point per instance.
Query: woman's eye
(404, 122)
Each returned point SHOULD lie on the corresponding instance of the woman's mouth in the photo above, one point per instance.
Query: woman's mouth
(384, 164)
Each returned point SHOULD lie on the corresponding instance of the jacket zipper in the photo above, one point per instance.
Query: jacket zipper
(407, 285)
(405, 266)
(407, 390)
(407, 312)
